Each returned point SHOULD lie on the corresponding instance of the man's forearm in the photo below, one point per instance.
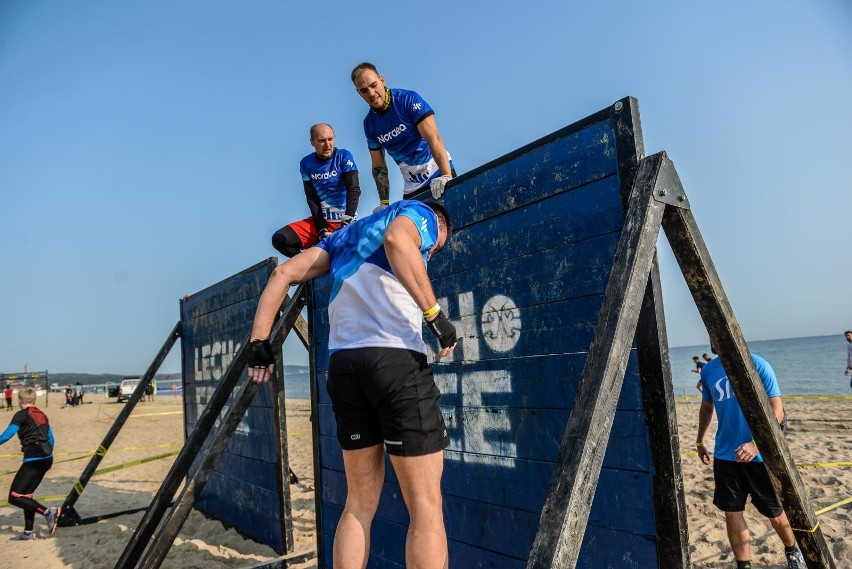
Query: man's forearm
(777, 408)
(428, 129)
(380, 175)
(705, 415)
(267, 308)
(439, 153)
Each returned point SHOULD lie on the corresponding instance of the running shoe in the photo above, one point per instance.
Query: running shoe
(52, 519)
(795, 560)
(24, 536)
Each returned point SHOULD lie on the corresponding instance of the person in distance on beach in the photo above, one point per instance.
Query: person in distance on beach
(33, 429)
(698, 365)
(848, 334)
(403, 123)
(330, 179)
(381, 386)
(738, 469)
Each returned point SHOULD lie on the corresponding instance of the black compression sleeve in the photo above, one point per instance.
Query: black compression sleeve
(314, 205)
(353, 192)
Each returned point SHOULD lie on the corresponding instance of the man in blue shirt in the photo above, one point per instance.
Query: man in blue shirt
(738, 468)
(330, 179)
(382, 390)
(402, 123)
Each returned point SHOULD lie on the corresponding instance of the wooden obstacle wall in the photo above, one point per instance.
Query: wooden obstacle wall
(523, 279)
(245, 490)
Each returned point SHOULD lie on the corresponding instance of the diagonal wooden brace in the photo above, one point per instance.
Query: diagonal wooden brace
(727, 338)
(575, 477)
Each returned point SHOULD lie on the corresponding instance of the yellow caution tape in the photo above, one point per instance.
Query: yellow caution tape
(833, 506)
(803, 465)
(135, 462)
(78, 487)
(812, 530)
(153, 414)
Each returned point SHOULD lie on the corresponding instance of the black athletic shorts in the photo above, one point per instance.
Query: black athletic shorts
(736, 480)
(386, 395)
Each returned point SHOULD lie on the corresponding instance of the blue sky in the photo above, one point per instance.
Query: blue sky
(149, 150)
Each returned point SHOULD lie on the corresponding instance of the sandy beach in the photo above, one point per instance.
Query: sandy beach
(820, 432)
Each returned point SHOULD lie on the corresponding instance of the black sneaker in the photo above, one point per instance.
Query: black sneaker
(795, 560)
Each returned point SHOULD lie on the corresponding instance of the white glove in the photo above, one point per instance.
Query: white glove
(347, 219)
(380, 207)
(437, 185)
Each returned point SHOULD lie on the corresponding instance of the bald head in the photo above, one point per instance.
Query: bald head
(322, 139)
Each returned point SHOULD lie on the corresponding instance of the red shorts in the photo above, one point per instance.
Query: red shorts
(307, 232)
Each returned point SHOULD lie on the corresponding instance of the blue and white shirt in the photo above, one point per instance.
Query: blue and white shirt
(326, 176)
(395, 130)
(368, 306)
(732, 431)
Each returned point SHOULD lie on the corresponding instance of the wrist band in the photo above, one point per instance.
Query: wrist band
(384, 202)
(699, 444)
(427, 314)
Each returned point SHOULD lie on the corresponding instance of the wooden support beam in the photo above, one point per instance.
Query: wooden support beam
(654, 366)
(572, 488)
(283, 471)
(69, 516)
(660, 416)
(162, 543)
(285, 560)
(727, 338)
(301, 328)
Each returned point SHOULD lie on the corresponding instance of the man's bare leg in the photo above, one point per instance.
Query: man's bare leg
(420, 479)
(783, 529)
(738, 535)
(365, 474)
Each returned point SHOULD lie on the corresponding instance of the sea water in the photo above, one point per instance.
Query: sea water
(803, 366)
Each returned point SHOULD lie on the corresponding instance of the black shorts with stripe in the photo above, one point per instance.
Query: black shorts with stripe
(736, 481)
(386, 395)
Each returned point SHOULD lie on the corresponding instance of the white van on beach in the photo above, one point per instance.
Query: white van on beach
(128, 384)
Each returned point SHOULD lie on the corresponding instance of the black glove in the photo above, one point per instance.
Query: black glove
(260, 354)
(443, 329)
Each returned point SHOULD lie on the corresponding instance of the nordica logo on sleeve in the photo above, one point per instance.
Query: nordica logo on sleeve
(324, 175)
(392, 134)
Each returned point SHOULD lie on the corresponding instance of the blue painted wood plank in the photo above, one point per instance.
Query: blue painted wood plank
(241, 286)
(566, 218)
(584, 157)
(531, 382)
(556, 328)
(606, 548)
(532, 434)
